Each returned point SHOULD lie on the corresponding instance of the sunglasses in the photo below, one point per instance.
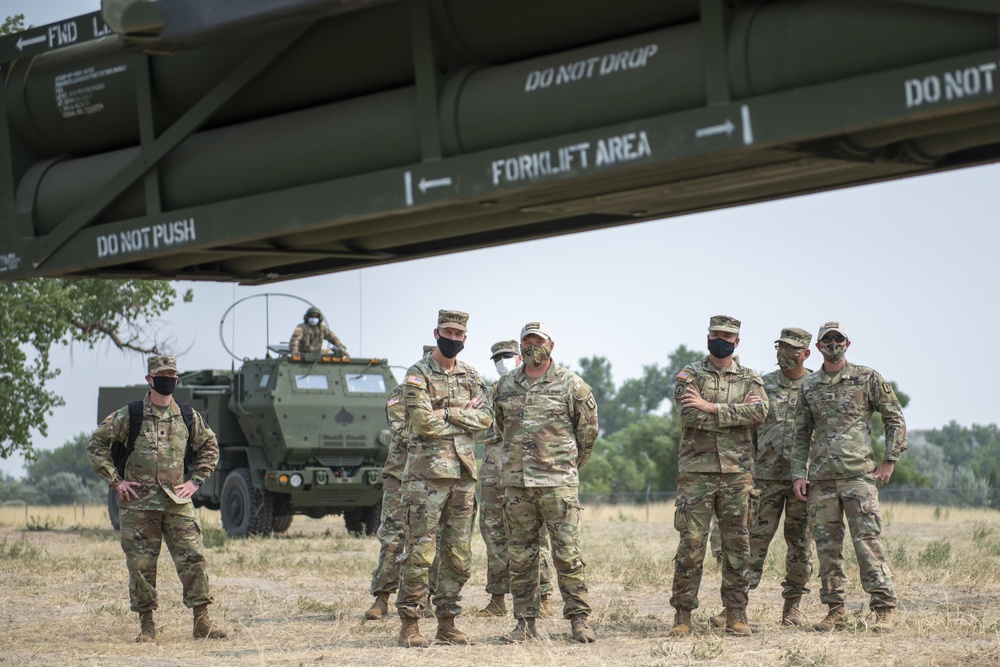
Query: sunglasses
(837, 338)
(502, 355)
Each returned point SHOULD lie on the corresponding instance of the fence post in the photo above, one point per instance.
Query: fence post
(647, 503)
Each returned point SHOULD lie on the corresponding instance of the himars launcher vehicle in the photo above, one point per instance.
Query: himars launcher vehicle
(297, 435)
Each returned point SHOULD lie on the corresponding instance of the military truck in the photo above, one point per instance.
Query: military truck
(303, 434)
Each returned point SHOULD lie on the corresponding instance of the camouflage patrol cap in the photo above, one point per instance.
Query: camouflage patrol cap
(453, 319)
(428, 349)
(504, 346)
(724, 323)
(832, 326)
(160, 363)
(537, 328)
(795, 337)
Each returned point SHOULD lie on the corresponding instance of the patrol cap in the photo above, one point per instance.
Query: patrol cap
(537, 328)
(313, 310)
(504, 346)
(795, 337)
(160, 363)
(832, 326)
(428, 349)
(453, 319)
(724, 323)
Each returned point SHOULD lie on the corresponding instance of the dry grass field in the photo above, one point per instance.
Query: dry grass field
(299, 599)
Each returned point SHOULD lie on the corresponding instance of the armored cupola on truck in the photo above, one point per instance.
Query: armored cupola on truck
(298, 434)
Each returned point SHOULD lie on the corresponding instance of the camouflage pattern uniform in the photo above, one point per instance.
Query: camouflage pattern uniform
(491, 525)
(392, 528)
(439, 481)
(308, 338)
(548, 426)
(833, 442)
(157, 463)
(773, 480)
(715, 476)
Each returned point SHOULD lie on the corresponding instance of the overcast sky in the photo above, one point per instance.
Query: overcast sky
(909, 267)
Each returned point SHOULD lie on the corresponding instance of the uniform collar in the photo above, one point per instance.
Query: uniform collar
(825, 378)
(149, 409)
(734, 367)
(786, 382)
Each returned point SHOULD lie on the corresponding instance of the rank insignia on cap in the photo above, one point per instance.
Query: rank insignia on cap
(415, 380)
(683, 375)
(392, 401)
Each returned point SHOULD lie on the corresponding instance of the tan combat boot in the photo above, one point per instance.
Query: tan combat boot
(883, 620)
(147, 628)
(204, 628)
(449, 634)
(719, 620)
(835, 618)
(682, 624)
(581, 630)
(409, 633)
(790, 613)
(523, 631)
(545, 609)
(379, 608)
(736, 622)
(496, 607)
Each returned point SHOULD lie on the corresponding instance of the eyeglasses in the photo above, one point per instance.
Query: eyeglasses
(833, 339)
(786, 346)
(502, 355)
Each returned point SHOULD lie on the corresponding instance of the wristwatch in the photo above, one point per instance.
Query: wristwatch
(197, 482)
(447, 415)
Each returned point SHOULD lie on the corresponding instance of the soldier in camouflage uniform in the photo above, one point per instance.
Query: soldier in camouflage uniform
(506, 357)
(446, 406)
(833, 445)
(392, 528)
(720, 403)
(155, 501)
(773, 478)
(547, 418)
(308, 337)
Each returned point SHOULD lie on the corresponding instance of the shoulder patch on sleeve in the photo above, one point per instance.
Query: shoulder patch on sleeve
(887, 388)
(683, 375)
(392, 401)
(414, 380)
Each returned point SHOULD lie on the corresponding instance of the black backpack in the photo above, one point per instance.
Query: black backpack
(121, 451)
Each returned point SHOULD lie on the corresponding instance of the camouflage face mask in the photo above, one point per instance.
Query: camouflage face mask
(834, 352)
(787, 360)
(535, 355)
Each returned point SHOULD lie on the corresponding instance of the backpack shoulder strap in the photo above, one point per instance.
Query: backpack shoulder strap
(187, 413)
(134, 423)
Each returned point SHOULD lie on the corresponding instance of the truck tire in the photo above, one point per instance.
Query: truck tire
(116, 521)
(354, 521)
(373, 517)
(281, 508)
(245, 510)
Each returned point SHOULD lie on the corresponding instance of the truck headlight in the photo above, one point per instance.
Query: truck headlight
(296, 480)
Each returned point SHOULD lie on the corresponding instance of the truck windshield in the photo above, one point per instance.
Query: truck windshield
(311, 382)
(365, 383)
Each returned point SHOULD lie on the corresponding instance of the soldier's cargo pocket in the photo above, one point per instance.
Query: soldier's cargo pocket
(680, 514)
(573, 509)
(870, 518)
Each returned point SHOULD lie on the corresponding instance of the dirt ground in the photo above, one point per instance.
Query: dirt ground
(299, 599)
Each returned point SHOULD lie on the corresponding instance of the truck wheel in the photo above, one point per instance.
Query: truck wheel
(116, 521)
(245, 510)
(281, 507)
(354, 521)
(373, 517)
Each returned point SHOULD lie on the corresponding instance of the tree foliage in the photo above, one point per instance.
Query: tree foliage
(12, 24)
(37, 314)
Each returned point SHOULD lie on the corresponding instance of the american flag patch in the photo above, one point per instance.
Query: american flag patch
(392, 401)
(683, 375)
(415, 380)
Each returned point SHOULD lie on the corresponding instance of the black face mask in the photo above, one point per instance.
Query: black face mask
(450, 348)
(721, 348)
(164, 385)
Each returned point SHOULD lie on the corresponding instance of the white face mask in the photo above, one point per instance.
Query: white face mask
(505, 366)
(313, 321)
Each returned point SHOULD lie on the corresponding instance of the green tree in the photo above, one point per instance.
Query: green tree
(37, 314)
(70, 457)
(12, 24)
(906, 472)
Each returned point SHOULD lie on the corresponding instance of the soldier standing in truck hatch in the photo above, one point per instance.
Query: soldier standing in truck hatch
(308, 337)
